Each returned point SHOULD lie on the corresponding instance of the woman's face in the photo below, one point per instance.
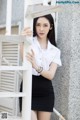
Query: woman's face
(42, 27)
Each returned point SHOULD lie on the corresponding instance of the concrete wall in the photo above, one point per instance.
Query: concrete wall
(67, 80)
(74, 84)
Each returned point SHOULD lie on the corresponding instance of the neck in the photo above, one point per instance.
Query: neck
(43, 42)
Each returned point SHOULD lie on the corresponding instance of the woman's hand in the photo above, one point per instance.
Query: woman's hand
(31, 58)
(26, 31)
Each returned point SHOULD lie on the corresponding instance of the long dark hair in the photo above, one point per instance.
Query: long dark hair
(51, 34)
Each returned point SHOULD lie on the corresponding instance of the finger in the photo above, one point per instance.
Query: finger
(32, 52)
(29, 33)
(26, 31)
(32, 55)
(25, 34)
(26, 28)
(29, 60)
(28, 56)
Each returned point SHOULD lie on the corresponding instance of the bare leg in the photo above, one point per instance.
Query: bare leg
(33, 115)
(44, 115)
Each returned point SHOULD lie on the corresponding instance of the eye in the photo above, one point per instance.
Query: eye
(45, 25)
(38, 24)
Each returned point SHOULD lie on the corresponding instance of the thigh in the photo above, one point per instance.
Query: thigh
(33, 115)
(44, 115)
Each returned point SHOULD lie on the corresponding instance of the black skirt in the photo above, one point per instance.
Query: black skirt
(42, 94)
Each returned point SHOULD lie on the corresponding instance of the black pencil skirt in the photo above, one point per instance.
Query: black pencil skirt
(42, 94)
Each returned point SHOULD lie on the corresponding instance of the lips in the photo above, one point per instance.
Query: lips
(41, 33)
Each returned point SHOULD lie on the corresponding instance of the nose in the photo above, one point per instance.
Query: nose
(41, 28)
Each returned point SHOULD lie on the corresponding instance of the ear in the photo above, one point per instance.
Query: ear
(50, 28)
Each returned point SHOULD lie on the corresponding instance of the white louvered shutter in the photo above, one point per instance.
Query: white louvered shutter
(9, 79)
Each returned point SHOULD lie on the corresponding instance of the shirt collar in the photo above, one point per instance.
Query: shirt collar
(50, 46)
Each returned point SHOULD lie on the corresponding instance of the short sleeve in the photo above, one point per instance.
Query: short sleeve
(57, 58)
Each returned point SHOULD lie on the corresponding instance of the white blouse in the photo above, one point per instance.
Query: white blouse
(44, 57)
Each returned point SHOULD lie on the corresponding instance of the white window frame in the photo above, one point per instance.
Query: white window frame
(13, 25)
(3, 26)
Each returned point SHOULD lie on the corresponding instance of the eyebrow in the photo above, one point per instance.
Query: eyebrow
(40, 23)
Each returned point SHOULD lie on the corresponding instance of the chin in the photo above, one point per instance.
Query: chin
(41, 36)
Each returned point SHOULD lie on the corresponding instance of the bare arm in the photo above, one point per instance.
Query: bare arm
(49, 74)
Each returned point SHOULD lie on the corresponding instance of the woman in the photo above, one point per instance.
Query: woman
(45, 58)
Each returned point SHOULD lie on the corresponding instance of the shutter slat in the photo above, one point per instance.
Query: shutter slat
(6, 109)
(10, 61)
(6, 89)
(8, 74)
(9, 81)
(4, 101)
(9, 52)
(9, 57)
(7, 84)
(7, 45)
